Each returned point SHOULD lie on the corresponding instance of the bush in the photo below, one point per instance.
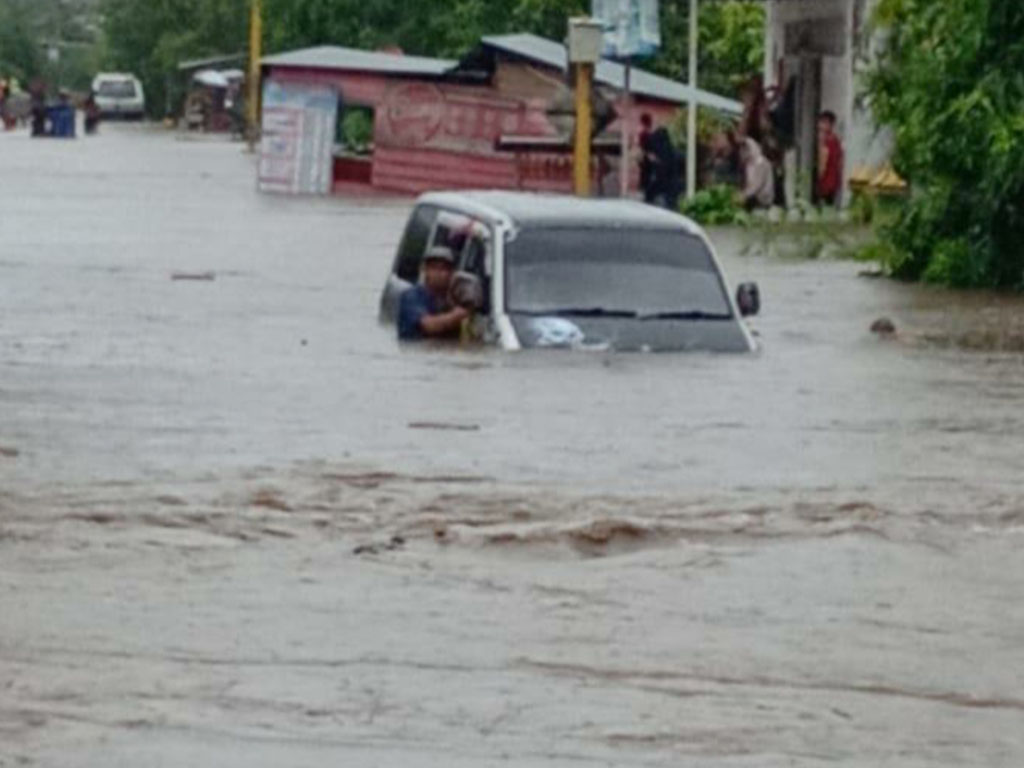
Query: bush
(714, 206)
(948, 84)
(357, 130)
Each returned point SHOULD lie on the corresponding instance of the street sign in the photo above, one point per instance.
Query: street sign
(632, 27)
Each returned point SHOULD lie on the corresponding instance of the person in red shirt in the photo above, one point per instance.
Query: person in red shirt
(830, 160)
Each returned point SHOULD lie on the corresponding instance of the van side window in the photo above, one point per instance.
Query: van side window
(475, 261)
(414, 243)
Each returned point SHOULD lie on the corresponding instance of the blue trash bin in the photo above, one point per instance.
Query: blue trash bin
(62, 121)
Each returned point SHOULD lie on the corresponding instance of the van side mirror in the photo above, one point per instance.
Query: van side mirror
(748, 299)
(467, 290)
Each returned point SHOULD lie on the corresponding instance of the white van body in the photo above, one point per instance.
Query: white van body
(119, 95)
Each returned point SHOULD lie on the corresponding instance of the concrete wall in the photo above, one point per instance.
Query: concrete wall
(869, 146)
(842, 67)
(813, 39)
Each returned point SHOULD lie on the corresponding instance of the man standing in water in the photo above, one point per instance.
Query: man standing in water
(424, 311)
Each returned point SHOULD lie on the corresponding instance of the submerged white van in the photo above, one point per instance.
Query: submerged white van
(554, 271)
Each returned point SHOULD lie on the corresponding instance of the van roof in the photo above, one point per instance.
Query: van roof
(529, 209)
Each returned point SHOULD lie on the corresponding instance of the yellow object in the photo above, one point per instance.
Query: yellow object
(877, 180)
(252, 105)
(584, 127)
(888, 180)
(860, 176)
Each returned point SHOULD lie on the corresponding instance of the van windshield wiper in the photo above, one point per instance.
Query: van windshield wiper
(582, 312)
(692, 315)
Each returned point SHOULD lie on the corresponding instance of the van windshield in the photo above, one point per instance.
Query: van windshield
(117, 89)
(645, 273)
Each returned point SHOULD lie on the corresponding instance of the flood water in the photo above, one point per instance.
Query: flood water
(240, 527)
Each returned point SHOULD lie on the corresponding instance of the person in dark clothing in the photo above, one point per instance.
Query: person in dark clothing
(424, 311)
(646, 165)
(7, 123)
(665, 184)
(38, 110)
(92, 114)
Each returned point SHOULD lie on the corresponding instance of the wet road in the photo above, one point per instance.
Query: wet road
(803, 558)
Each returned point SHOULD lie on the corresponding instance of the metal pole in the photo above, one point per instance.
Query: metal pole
(626, 167)
(252, 106)
(691, 121)
(584, 123)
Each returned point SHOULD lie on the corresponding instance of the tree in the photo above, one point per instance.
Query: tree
(731, 37)
(949, 84)
(149, 37)
(20, 55)
(29, 27)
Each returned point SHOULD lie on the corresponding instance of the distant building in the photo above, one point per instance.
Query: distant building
(820, 49)
(488, 121)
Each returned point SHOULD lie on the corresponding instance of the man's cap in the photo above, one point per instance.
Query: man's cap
(440, 253)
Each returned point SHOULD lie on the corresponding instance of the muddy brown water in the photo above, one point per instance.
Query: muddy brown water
(240, 526)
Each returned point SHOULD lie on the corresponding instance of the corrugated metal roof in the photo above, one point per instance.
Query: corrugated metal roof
(610, 73)
(336, 57)
(210, 61)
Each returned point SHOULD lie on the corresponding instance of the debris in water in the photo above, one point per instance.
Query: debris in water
(396, 543)
(171, 501)
(9, 453)
(883, 327)
(444, 427)
(872, 274)
(269, 499)
(197, 277)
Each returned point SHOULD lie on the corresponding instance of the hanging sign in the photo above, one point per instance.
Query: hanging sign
(632, 27)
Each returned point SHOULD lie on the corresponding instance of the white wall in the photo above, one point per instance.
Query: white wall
(867, 145)
(838, 80)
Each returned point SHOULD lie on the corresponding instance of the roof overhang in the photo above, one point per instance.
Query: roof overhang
(339, 59)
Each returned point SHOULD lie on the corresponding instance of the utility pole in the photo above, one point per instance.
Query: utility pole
(584, 127)
(626, 160)
(585, 42)
(691, 117)
(252, 102)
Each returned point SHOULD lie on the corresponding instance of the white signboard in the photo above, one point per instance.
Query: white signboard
(632, 27)
(297, 148)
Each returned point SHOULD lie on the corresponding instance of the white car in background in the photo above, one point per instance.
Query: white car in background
(119, 95)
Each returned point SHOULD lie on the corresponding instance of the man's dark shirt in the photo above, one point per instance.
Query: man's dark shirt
(415, 304)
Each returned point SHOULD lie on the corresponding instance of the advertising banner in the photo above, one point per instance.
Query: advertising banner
(297, 148)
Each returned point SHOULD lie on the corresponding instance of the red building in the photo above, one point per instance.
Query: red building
(441, 124)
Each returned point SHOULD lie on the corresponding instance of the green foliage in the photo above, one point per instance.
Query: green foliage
(29, 27)
(818, 235)
(149, 37)
(949, 84)
(357, 130)
(714, 206)
(20, 56)
(731, 38)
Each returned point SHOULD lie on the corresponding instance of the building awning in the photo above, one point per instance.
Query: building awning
(331, 57)
(211, 62)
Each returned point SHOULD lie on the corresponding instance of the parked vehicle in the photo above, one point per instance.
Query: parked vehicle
(553, 271)
(119, 96)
